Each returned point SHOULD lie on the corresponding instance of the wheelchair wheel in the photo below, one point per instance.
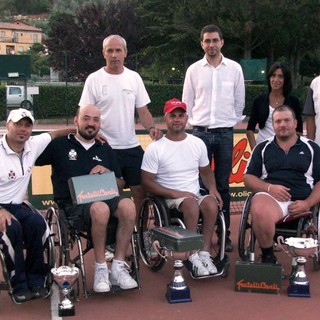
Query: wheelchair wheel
(59, 238)
(316, 228)
(246, 238)
(132, 259)
(153, 214)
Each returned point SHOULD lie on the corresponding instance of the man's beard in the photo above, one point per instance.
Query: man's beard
(87, 136)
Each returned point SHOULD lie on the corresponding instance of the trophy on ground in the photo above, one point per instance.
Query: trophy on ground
(299, 249)
(65, 277)
(174, 240)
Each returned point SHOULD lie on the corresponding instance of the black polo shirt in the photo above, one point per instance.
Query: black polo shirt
(70, 159)
(299, 169)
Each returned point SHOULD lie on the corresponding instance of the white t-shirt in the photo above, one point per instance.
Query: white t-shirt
(268, 131)
(176, 163)
(15, 172)
(117, 97)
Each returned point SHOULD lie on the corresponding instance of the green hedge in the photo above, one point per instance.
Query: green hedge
(60, 101)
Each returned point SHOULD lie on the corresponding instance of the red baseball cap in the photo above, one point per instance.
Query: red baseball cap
(173, 104)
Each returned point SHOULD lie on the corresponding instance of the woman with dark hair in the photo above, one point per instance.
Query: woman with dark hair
(279, 93)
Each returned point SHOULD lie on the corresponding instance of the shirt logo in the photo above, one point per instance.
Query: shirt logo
(73, 154)
(96, 158)
(301, 152)
(11, 175)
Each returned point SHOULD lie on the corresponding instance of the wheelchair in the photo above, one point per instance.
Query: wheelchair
(71, 246)
(49, 260)
(154, 213)
(305, 226)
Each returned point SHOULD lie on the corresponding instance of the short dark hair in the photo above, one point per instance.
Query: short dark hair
(284, 107)
(211, 28)
(287, 86)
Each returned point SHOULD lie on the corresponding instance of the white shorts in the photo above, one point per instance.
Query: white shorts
(282, 204)
(175, 203)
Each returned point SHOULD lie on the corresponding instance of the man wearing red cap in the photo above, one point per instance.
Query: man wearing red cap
(171, 168)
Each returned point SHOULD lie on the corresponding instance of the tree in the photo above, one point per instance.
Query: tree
(39, 60)
(77, 48)
(61, 39)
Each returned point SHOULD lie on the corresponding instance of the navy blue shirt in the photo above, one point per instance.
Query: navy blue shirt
(299, 169)
(70, 159)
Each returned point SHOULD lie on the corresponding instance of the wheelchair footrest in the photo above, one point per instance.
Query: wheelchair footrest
(177, 239)
(258, 277)
(221, 265)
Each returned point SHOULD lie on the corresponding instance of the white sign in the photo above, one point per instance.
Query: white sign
(33, 90)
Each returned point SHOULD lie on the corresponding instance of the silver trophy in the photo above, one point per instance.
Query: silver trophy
(177, 289)
(299, 249)
(65, 277)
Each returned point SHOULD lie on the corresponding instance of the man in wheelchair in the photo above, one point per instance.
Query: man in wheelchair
(284, 175)
(82, 154)
(20, 227)
(171, 168)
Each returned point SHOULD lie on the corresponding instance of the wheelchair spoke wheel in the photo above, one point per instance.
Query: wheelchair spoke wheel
(246, 239)
(56, 234)
(152, 215)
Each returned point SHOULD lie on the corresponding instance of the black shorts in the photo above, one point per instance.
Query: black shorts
(130, 161)
(79, 216)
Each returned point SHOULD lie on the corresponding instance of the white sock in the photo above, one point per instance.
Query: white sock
(193, 256)
(102, 265)
(203, 253)
(116, 263)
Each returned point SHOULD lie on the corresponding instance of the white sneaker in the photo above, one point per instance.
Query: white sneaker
(101, 280)
(108, 255)
(198, 268)
(120, 276)
(207, 262)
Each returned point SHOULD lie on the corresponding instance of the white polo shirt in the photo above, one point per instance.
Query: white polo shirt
(117, 96)
(15, 171)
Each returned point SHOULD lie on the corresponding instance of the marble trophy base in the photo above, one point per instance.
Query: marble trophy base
(65, 312)
(298, 290)
(178, 296)
(177, 289)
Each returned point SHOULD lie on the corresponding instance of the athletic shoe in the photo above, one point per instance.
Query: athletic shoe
(120, 276)
(108, 255)
(152, 254)
(207, 262)
(39, 292)
(101, 280)
(198, 268)
(22, 295)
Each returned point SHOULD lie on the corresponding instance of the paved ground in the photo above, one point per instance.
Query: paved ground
(213, 298)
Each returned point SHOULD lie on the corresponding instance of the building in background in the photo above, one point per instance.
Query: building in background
(17, 37)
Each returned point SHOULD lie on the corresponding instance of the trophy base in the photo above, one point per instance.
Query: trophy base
(178, 296)
(298, 290)
(63, 312)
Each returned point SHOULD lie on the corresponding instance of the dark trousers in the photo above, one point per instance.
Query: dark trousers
(27, 231)
(220, 147)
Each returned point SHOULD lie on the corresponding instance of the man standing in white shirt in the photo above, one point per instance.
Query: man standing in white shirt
(214, 92)
(119, 92)
(312, 111)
